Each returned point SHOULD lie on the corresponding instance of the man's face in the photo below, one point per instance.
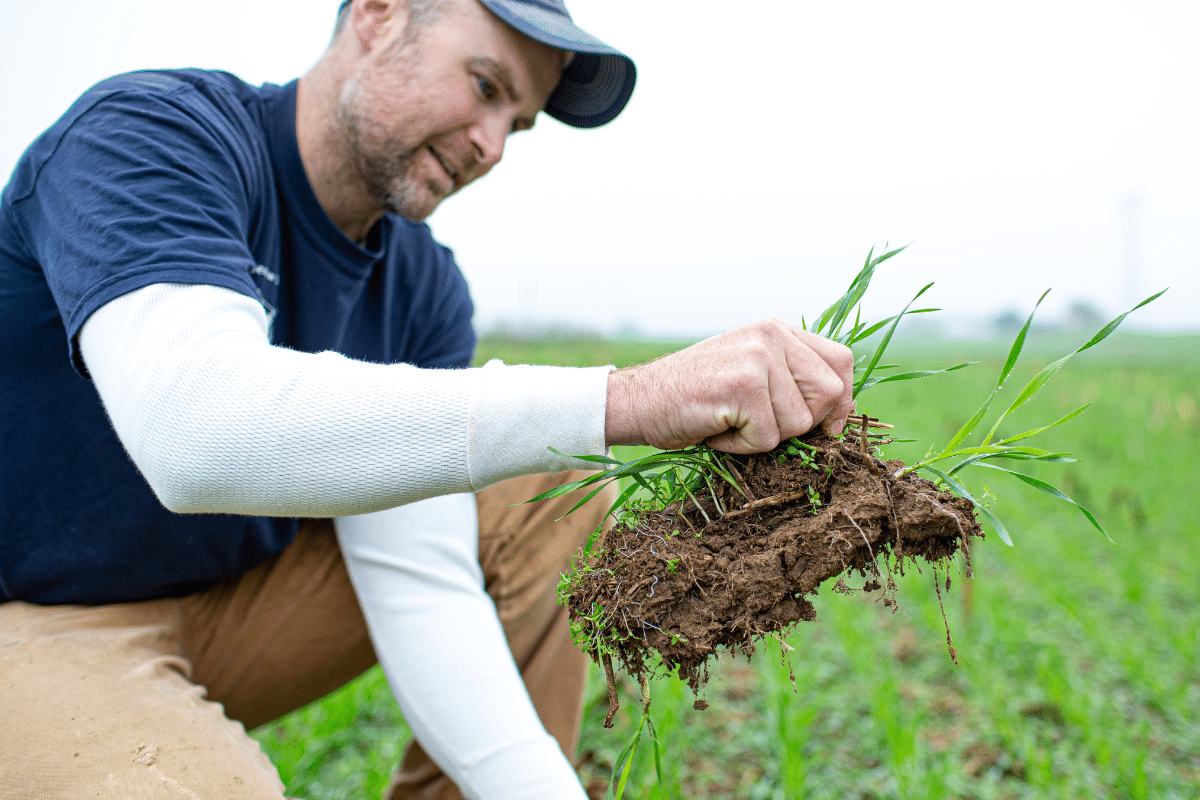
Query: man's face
(430, 107)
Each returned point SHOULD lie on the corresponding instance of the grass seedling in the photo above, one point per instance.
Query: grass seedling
(988, 449)
(624, 762)
(666, 477)
(673, 476)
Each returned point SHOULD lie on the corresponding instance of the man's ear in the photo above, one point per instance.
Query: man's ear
(373, 23)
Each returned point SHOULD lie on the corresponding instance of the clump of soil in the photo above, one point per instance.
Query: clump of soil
(687, 580)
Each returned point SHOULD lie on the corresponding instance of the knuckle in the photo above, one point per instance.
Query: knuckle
(842, 358)
(755, 351)
(802, 422)
(832, 388)
(769, 327)
(763, 436)
(745, 379)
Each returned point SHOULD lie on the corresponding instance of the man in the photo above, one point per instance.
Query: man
(234, 444)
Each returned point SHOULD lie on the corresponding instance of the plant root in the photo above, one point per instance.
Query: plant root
(745, 560)
(613, 702)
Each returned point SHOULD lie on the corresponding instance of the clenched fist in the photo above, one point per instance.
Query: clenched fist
(743, 391)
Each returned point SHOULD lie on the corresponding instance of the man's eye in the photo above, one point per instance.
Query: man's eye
(487, 89)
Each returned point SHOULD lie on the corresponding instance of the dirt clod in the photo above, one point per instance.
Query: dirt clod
(678, 584)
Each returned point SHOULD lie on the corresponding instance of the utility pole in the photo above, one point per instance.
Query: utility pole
(1131, 208)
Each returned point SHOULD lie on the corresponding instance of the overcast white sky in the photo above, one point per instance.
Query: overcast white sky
(1018, 146)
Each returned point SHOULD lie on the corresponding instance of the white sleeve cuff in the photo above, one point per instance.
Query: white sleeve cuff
(520, 412)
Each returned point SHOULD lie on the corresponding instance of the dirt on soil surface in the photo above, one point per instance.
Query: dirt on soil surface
(686, 581)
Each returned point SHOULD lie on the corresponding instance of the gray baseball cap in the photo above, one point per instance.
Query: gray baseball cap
(598, 82)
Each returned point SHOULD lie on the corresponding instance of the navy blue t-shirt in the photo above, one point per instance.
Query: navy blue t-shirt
(175, 177)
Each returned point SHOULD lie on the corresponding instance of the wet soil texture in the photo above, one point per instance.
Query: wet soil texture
(686, 581)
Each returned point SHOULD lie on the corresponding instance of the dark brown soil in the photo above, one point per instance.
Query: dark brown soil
(678, 585)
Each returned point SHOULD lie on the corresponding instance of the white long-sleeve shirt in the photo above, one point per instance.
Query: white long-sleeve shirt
(219, 420)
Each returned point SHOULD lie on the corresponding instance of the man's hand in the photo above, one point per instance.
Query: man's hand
(743, 391)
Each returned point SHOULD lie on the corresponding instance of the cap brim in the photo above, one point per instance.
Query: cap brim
(598, 83)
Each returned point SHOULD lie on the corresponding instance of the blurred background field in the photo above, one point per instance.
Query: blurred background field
(1079, 672)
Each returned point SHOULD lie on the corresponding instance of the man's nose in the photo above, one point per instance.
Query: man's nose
(488, 137)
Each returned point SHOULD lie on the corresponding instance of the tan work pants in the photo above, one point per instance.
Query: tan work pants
(151, 700)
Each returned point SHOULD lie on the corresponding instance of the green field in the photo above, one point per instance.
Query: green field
(1079, 674)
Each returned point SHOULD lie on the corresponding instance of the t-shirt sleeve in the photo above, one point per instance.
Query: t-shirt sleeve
(442, 335)
(142, 185)
(450, 343)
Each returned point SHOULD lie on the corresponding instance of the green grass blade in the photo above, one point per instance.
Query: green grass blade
(640, 480)
(854, 328)
(995, 450)
(889, 254)
(908, 376)
(1029, 391)
(1048, 372)
(1038, 483)
(868, 332)
(623, 498)
(969, 426)
(593, 459)
(631, 469)
(887, 338)
(998, 450)
(1036, 431)
(626, 493)
(1057, 458)
(1014, 352)
(1018, 344)
(842, 303)
(586, 498)
(830, 321)
(1112, 326)
(566, 488)
(859, 288)
(652, 463)
(657, 753)
(624, 764)
(619, 469)
(961, 491)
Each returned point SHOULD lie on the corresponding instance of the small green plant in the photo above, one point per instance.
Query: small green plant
(664, 478)
(624, 760)
(674, 476)
(989, 448)
(814, 500)
(806, 459)
(830, 324)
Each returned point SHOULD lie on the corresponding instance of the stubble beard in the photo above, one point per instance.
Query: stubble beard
(383, 164)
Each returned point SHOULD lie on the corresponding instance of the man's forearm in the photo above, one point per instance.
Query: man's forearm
(416, 573)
